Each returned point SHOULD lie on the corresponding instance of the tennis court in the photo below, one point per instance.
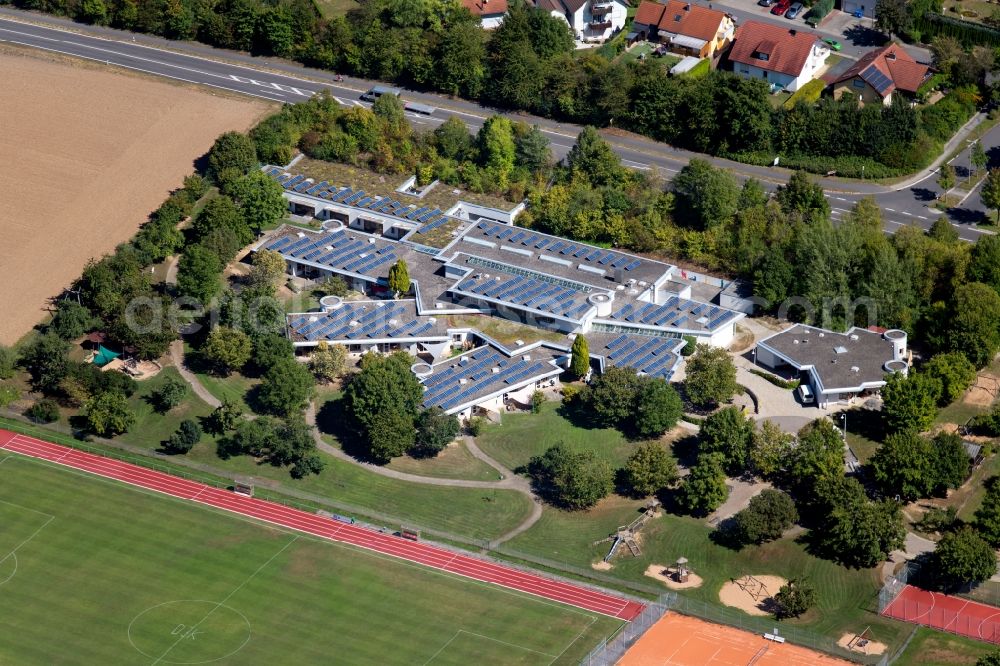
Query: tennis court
(679, 640)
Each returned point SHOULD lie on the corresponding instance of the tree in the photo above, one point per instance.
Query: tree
(950, 462)
(227, 349)
(987, 516)
(389, 108)
(281, 443)
(711, 377)
(946, 180)
(729, 433)
(45, 410)
(611, 397)
(650, 469)
(794, 598)
(768, 515)
(199, 273)
(909, 402)
(819, 454)
(286, 387)
(903, 465)
(495, 142)
(399, 278)
(187, 435)
(770, 449)
(8, 362)
(72, 320)
(327, 361)
(974, 330)
(892, 17)
(94, 11)
(989, 659)
(978, 156)
(435, 430)
(865, 534)
(705, 487)
(108, 414)
(955, 373)
(943, 231)
(706, 196)
(269, 350)
(658, 408)
(802, 195)
(690, 346)
(46, 360)
(171, 394)
(221, 224)
(385, 395)
(453, 140)
(225, 417)
(991, 191)
(962, 557)
(268, 268)
(592, 156)
(261, 200)
(579, 363)
(575, 480)
(984, 261)
(531, 150)
(231, 150)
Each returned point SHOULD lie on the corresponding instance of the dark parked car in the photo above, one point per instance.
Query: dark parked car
(765, 3)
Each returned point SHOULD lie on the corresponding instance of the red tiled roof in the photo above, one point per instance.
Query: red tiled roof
(893, 62)
(485, 7)
(681, 18)
(787, 50)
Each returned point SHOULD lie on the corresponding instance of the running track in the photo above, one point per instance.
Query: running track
(947, 613)
(309, 523)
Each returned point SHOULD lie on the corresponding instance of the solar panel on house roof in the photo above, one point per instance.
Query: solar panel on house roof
(876, 78)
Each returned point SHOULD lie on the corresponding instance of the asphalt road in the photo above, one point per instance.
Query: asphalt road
(283, 81)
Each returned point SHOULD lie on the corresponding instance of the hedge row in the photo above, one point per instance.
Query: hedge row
(808, 94)
(791, 385)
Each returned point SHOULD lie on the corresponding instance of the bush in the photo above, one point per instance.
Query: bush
(807, 94)
(8, 394)
(171, 394)
(537, 400)
(187, 435)
(45, 410)
(794, 598)
(819, 11)
(937, 520)
(791, 385)
(475, 425)
(699, 71)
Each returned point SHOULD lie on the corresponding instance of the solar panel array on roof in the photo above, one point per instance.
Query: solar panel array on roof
(480, 373)
(675, 313)
(561, 248)
(650, 355)
(527, 292)
(876, 78)
(339, 251)
(358, 199)
(359, 321)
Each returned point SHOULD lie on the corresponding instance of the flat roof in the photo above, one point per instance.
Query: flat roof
(485, 372)
(650, 355)
(851, 360)
(680, 314)
(340, 250)
(366, 321)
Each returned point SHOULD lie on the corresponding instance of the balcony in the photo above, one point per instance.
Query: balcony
(599, 24)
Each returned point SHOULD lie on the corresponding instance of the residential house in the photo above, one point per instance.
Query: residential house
(490, 12)
(874, 78)
(684, 27)
(590, 20)
(785, 58)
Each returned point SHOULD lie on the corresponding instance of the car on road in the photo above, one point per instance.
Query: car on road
(794, 10)
(781, 7)
(765, 3)
(832, 43)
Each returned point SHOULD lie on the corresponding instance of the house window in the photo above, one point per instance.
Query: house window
(859, 83)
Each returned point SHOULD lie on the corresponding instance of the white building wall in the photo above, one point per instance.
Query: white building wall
(816, 60)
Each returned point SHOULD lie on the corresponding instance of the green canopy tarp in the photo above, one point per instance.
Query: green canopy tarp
(104, 356)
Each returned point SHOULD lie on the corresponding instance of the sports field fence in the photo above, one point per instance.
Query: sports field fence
(893, 585)
(611, 649)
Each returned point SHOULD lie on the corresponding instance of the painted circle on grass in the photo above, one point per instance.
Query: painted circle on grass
(8, 567)
(189, 631)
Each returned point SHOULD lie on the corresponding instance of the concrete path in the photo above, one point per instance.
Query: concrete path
(510, 481)
(177, 351)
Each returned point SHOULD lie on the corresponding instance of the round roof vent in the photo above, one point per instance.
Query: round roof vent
(895, 334)
(895, 366)
(331, 302)
(421, 370)
(333, 225)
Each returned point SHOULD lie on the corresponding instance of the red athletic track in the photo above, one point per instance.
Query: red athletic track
(278, 514)
(940, 611)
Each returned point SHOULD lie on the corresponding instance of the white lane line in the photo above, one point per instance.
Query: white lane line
(147, 71)
(636, 165)
(890, 210)
(907, 213)
(922, 217)
(901, 224)
(840, 199)
(28, 34)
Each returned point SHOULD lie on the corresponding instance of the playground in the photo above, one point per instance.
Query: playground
(751, 594)
(680, 640)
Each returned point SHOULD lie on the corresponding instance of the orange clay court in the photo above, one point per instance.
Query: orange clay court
(679, 640)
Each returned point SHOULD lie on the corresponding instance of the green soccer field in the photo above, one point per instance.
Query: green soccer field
(96, 572)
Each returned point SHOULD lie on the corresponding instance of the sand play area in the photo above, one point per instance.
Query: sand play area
(88, 153)
(751, 594)
(666, 576)
(861, 644)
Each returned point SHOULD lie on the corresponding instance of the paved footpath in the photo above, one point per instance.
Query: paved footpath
(460, 564)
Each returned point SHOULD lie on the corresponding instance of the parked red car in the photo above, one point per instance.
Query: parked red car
(781, 7)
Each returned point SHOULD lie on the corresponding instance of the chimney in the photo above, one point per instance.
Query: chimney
(793, 32)
(890, 55)
(687, 7)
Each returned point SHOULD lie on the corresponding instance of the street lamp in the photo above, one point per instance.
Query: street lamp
(843, 418)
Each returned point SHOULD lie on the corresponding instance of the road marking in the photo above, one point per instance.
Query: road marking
(841, 199)
(890, 210)
(637, 165)
(28, 34)
(907, 213)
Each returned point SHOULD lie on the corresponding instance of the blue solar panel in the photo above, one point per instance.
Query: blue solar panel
(354, 197)
(606, 258)
(635, 264)
(566, 250)
(516, 237)
(582, 251)
(343, 194)
(542, 242)
(594, 255)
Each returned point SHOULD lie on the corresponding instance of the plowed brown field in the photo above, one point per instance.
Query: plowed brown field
(85, 154)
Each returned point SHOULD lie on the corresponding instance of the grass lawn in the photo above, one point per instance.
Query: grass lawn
(522, 436)
(151, 428)
(936, 648)
(333, 8)
(846, 597)
(455, 462)
(95, 584)
(506, 332)
(234, 387)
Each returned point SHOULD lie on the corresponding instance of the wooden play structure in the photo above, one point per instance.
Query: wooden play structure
(860, 641)
(626, 534)
(680, 572)
(754, 587)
